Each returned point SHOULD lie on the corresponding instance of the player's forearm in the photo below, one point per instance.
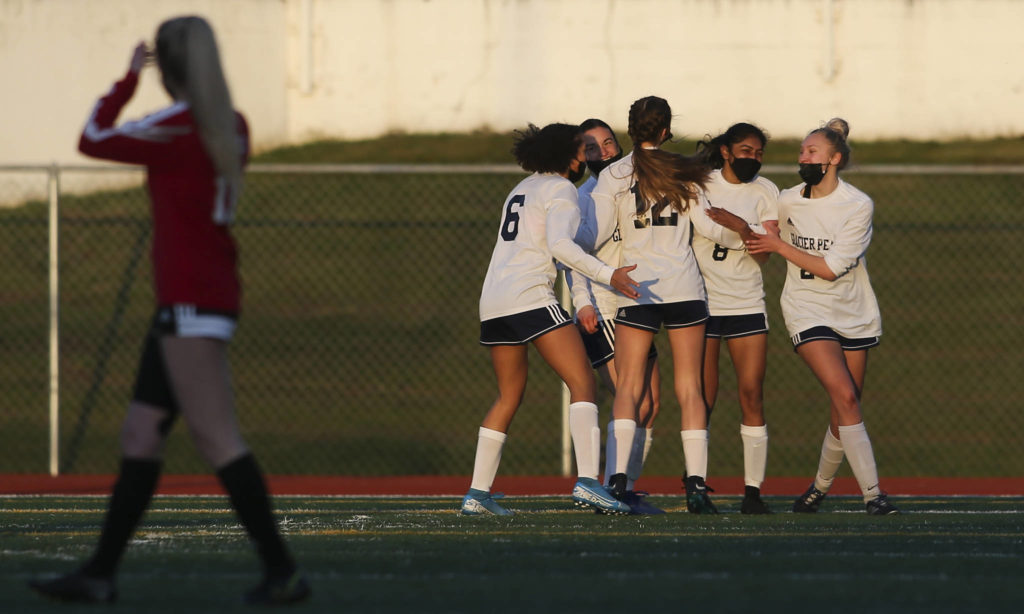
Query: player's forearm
(815, 265)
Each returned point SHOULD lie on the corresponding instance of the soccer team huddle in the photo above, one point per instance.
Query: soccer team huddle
(652, 240)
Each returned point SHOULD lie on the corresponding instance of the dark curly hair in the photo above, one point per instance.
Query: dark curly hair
(550, 149)
(662, 178)
(709, 150)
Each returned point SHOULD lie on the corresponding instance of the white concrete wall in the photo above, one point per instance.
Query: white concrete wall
(58, 56)
(304, 69)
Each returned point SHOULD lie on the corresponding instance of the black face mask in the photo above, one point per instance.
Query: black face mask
(576, 175)
(812, 174)
(596, 166)
(745, 168)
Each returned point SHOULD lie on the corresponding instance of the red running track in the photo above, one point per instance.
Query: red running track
(35, 484)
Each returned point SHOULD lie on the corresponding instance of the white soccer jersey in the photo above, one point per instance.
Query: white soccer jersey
(585, 292)
(732, 277)
(538, 224)
(666, 268)
(838, 228)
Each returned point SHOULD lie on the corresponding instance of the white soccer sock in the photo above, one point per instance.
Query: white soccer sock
(828, 464)
(641, 448)
(489, 444)
(609, 452)
(695, 452)
(624, 432)
(586, 438)
(755, 454)
(862, 458)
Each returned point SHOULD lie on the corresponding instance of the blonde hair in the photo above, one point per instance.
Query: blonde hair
(190, 63)
(836, 131)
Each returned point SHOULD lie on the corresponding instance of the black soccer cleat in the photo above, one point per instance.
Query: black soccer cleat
(752, 503)
(617, 485)
(77, 587)
(809, 502)
(880, 506)
(279, 590)
(697, 500)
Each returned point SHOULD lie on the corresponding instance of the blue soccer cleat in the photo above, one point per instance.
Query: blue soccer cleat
(588, 492)
(637, 506)
(480, 503)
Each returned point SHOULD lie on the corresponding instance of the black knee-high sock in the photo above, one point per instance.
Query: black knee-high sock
(248, 493)
(128, 502)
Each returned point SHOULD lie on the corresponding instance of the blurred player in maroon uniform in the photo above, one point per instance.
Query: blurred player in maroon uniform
(194, 151)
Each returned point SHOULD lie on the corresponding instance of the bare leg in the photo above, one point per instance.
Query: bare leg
(199, 374)
(712, 347)
(563, 350)
(687, 362)
(510, 368)
(829, 363)
(748, 358)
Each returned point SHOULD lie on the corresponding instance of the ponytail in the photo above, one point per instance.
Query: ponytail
(662, 178)
(189, 59)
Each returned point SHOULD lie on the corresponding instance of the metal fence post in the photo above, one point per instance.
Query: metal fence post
(53, 181)
(566, 301)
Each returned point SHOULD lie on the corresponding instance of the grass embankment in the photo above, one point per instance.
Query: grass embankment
(493, 148)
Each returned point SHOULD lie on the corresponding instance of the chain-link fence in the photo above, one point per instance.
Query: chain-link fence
(357, 351)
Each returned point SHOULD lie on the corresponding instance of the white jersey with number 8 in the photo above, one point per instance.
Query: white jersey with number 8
(732, 277)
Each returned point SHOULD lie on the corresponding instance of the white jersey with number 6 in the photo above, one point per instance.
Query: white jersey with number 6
(838, 228)
(733, 278)
(538, 223)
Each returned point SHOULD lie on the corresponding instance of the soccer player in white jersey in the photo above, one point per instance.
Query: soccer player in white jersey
(736, 291)
(656, 196)
(518, 306)
(828, 304)
(595, 306)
